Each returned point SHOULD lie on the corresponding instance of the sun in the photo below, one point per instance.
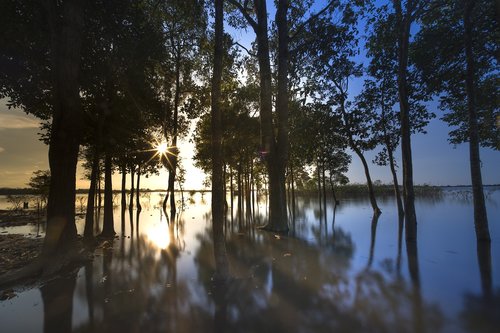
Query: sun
(162, 148)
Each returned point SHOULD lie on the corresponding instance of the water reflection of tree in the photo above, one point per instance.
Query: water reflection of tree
(482, 312)
(136, 288)
(57, 297)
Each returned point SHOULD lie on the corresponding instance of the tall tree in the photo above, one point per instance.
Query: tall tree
(65, 22)
(184, 25)
(218, 194)
(406, 12)
(462, 69)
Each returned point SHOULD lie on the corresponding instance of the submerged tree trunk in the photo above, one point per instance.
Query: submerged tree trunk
(369, 183)
(372, 239)
(173, 157)
(218, 198)
(480, 216)
(132, 189)
(404, 23)
(65, 25)
(123, 198)
(137, 190)
(397, 193)
(108, 229)
(124, 186)
(275, 153)
(88, 232)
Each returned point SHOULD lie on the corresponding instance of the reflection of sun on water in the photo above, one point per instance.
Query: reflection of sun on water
(158, 235)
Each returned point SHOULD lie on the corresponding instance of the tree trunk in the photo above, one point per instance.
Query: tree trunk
(124, 197)
(395, 181)
(373, 201)
(132, 189)
(372, 239)
(173, 156)
(218, 198)
(123, 189)
(293, 189)
(137, 190)
(404, 24)
(108, 229)
(335, 201)
(274, 155)
(66, 24)
(88, 232)
(480, 216)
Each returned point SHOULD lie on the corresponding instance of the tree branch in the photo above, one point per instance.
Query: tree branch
(243, 10)
(312, 17)
(250, 53)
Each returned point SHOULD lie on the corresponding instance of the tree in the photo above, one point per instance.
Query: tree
(331, 49)
(218, 195)
(463, 70)
(184, 24)
(40, 183)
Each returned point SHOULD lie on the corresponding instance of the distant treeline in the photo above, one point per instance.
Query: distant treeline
(382, 190)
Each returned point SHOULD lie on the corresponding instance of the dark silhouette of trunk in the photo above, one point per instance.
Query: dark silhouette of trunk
(397, 193)
(57, 297)
(218, 199)
(480, 216)
(124, 186)
(369, 183)
(124, 198)
(372, 239)
(390, 156)
(484, 261)
(358, 152)
(319, 188)
(324, 189)
(335, 201)
(232, 191)
(404, 21)
(65, 22)
(240, 201)
(132, 188)
(292, 175)
(137, 189)
(108, 229)
(173, 157)
(88, 232)
(99, 190)
(275, 154)
(248, 193)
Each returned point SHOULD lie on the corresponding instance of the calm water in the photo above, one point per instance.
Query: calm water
(343, 272)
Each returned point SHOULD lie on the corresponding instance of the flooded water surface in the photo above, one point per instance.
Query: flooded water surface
(338, 270)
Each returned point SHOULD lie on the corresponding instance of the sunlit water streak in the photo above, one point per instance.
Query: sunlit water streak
(332, 273)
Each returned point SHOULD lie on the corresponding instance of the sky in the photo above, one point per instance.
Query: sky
(435, 161)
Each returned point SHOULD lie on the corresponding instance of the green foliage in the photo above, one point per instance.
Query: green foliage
(439, 54)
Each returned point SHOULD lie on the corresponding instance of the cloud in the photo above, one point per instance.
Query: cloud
(2, 149)
(17, 121)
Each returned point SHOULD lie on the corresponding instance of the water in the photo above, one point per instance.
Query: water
(342, 272)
